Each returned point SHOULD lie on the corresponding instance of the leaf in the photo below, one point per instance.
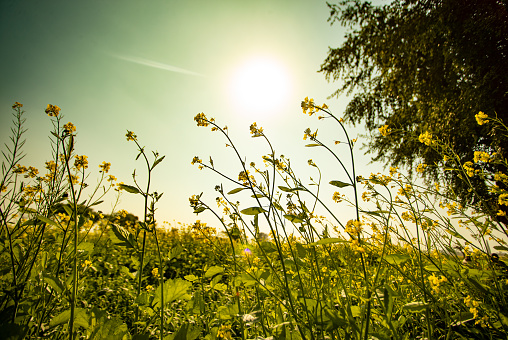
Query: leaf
(199, 210)
(129, 188)
(257, 196)
(186, 332)
(431, 268)
(286, 189)
(122, 237)
(234, 191)
(253, 211)
(190, 277)
(86, 246)
(500, 248)
(327, 241)
(293, 218)
(54, 283)
(339, 184)
(173, 290)
(312, 145)
(212, 271)
(397, 259)
(47, 220)
(415, 307)
(158, 161)
(80, 318)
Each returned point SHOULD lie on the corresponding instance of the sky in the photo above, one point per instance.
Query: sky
(151, 66)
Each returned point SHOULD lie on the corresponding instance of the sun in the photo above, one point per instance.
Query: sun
(259, 87)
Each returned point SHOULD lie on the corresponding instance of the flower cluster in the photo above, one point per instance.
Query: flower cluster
(52, 110)
(255, 131)
(425, 138)
(17, 105)
(201, 119)
(130, 135)
(481, 118)
(105, 166)
(69, 128)
(309, 134)
(308, 105)
(81, 162)
(384, 130)
(435, 282)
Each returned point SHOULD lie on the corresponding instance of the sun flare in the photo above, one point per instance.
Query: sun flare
(259, 87)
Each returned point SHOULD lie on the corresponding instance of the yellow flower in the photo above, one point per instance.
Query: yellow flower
(17, 105)
(384, 130)
(337, 197)
(130, 135)
(149, 288)
(308, 105)
(155, 272)
(52, 110)
(481, 118)
(224, 332)
(111, 178)
(19, 169)
(69, 128)
(468, 167)
(201, 119)
(425, 138)
(421, 168)
(481, 156)
(255, 131)
(105, 166)
(81, 162)
(501, 213)
(503, 199)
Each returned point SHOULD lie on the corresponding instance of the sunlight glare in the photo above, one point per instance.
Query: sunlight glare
(259, 87)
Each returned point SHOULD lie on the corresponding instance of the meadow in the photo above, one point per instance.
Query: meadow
(391, 271)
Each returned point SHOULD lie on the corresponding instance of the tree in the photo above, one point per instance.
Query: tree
(423, 65)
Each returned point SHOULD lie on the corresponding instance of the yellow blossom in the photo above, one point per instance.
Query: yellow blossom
(155, 272)
(481, 118)
(255, 131)
(384, 130)
(481, 156)
(17, 105)
(130, 135)
(425, 138)
(105, 166)
(111, 178)
(421, 168)
(308, 105)
(468, 167)
(81, 162)
(201, 119)
(69, 128)
(503, 199)
(52, 110)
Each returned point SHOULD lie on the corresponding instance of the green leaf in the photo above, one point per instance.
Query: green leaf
(186, 332)
(158, 161)
(415, 307)
(212, 271)
(253, 211)
(129, 188)
(258, 196)
(285, 189)
(47, 221)
(397, 259)
(501, 248)
(190, 277)
(173, 290)
(293, 218)
(339, 184)
(327, 241)
(122, 237)
(54, 283)
(86, 246)
(234, 191)
(80, 318)
(199, 210)
(312, 145)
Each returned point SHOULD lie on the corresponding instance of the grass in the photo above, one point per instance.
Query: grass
(391, 271)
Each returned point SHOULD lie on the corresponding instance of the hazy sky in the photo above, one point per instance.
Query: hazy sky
(150, 67)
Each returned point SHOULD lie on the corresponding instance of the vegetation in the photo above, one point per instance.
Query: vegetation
(388, 272)
(417, 66)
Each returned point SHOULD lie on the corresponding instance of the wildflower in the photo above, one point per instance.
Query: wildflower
(473, 305)
(501, 213)
(201, 119)
(481, 118)
(468, 167)
(255, 131)
(155, 272)
(481, 156)
(308, 105)
(247, 252)
(130, 135)
(87, 263)
(81, 162)
(425, 138)
(308, 133)
(384, 130)
(311, 163)
(3, 188)
(353, 227)
(17, 105)
(503, 199)
(149, 288)
(435, 282)
(69, 128)
(32, 172)
(224, 332)
(196, 160)
(421, 168)
(105, 166)
(52, 110)
(19, 169)
(245, 177)
(111, 178)
(194, 201)
(337, 197)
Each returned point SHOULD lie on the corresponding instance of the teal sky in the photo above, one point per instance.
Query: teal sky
(150, 67)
